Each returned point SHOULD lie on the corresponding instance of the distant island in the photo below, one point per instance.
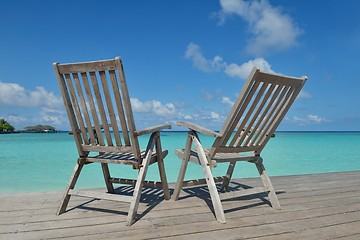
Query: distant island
(40, 129)
(6, 128)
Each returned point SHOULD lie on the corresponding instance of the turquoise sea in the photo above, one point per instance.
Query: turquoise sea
(44, 162)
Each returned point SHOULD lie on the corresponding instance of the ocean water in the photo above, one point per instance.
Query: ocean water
(44, 162)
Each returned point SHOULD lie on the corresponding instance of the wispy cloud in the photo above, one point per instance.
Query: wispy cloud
(217, 63)
(304, 95)
(16, 119)
(271, 28)
(309, 119)
(227, 100)
(13, 94)
(193, 53)
(153, 106)
(214, 115)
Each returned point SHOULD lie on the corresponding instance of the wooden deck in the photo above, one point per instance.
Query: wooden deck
(321, 206)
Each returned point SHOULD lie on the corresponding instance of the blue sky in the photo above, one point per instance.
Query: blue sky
(184, 60)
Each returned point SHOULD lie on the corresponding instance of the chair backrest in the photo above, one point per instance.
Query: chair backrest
(98, 105)
(260, 107)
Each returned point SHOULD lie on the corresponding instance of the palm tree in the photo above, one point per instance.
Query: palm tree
(5, 126)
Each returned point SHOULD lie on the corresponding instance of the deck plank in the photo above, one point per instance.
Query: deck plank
(321, 206)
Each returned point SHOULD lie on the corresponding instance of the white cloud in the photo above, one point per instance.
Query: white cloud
(272, 29)
(13, 94)
(242, 71)
(193, 52)
(227, 100)
(218, 64)
(57, 120)
(153, 106)
(215, 115)
(304, 95)
(309, 119)
(316, 119)
(16, 119)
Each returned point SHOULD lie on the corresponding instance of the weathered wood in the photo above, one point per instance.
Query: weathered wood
(215, 199)
(86, 66)
(199, 129)
(94, 110)
(241, 193)
(152, 129)
(260, 107)
(195, 182)
(133, 182)
(98, 195)
(161, 166)
(184, 163)
(140, 181)
(321, 206)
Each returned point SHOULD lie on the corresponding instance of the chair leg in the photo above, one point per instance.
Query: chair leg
(267, 183)
(106, 173)
(134, 205)
(74, 177)
(184, 164)
(215, 198)
(161, 166)
(228, 176)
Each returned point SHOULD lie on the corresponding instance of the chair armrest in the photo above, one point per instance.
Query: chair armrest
(199, 129)
(152, 129)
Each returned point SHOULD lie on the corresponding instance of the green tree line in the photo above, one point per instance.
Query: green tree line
(5, 126)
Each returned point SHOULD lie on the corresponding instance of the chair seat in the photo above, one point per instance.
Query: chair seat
(123, 158)
(219, 157)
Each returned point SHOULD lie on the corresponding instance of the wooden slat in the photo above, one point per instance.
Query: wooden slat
(222, 156)
(76, 107)
(239, 113)
(84, 109)
(256, 118)
(127, 106)
(280, 79)
(201, 181)
(93, 110)
(132, 182)
(243, 192)
(101, 107)
(270, 116)
(86, 67)
(250, 110)
(120, 109)
(114, 149)
(69, 107)
(315, 208)
(289, 101)
(99, 195)
(255, 132)
(109, 103)
(239, 101)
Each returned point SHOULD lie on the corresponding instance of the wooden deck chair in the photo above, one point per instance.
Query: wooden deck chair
(262, 104)
(98, 105)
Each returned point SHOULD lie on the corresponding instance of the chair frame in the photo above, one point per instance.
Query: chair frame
(102, 122)
(260, 107)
